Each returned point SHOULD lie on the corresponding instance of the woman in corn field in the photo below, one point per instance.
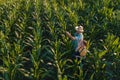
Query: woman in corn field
(78, 42)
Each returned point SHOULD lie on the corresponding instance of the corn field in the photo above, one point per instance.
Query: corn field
(34, 46)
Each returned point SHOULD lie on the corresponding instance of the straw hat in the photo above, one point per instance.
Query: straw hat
(79, 28)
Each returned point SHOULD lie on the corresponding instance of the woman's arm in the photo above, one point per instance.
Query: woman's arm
(70, 36)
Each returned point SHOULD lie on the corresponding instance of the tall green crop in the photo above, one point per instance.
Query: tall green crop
(34, 46)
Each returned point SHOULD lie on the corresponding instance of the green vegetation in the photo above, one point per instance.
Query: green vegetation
(33, 45)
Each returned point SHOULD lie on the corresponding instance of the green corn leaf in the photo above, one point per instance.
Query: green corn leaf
(102, 53)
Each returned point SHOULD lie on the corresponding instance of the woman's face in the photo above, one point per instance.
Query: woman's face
(80, 30)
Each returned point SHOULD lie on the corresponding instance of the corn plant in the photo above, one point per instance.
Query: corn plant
(34, 46)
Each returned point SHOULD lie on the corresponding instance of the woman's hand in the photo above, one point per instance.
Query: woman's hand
(67, 33)
(70, 36)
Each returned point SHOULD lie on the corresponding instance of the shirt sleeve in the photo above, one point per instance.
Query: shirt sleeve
(79, 37)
